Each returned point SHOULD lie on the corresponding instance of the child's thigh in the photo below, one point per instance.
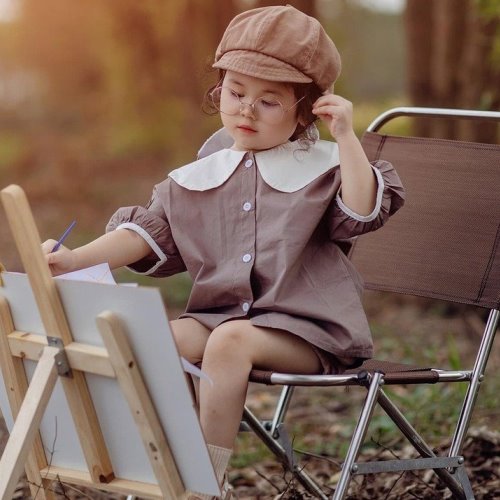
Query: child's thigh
(190, 337)
(265, 348)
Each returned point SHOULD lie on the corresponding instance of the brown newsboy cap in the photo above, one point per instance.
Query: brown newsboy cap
(280, 44)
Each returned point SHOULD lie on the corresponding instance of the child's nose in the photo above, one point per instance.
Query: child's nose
(247, 110)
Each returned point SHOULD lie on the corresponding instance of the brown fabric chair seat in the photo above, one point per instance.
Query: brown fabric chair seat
(394, 373)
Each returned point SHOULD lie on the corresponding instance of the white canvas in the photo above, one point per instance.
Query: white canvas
(142, 312)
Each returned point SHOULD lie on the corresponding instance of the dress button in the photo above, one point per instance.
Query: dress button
(248, 163)
(247, 206)
(246, 258)
(245, 306)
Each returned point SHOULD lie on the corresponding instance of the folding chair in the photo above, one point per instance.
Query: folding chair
(444, 244)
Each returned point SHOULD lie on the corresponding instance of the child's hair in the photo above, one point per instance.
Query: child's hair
(304, 111)
(303, 133)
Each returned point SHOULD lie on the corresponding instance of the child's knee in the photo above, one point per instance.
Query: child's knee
(228, 339)
(190, 338)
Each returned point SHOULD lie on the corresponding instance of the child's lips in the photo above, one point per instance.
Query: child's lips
(246, 128)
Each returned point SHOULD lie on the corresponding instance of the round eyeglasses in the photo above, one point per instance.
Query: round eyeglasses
(269, 110)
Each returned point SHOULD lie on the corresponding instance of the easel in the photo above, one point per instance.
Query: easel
(59, 357)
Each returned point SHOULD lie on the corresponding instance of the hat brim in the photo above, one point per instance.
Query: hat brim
(260, 66)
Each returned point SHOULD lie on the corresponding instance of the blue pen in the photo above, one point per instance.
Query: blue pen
(63, 237)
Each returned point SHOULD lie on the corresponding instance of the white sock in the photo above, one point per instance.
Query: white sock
(220, 459)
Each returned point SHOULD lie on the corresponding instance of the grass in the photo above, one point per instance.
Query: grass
(321, 420)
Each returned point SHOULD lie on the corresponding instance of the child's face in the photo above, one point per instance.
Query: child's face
(271, 120)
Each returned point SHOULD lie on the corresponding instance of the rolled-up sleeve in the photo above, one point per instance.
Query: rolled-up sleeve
(150, 223)
(344, 223)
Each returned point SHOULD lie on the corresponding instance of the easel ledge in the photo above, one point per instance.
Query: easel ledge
(60, 358)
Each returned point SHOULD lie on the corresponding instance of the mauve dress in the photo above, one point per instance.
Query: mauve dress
(264, 237)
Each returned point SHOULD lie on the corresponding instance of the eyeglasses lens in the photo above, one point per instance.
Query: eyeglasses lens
(227, 101)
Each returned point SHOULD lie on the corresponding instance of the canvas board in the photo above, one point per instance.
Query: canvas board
(142, 312)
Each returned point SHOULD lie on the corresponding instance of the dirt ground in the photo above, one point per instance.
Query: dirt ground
(266, 480)
(325, 419)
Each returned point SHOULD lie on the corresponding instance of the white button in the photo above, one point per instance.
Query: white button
(247, 257)
(245, 306)
(248, 163)
(247, 206)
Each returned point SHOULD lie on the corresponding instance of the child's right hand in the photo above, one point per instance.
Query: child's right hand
(60, 262)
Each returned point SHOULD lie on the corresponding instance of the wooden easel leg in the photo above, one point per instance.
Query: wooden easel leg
(54, 320)
(16, 383)
(27, 422)
(135, 391)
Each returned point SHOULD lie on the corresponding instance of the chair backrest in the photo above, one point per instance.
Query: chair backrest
(445, 242)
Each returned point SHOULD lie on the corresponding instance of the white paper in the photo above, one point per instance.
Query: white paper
(101, 273)
(194, 370)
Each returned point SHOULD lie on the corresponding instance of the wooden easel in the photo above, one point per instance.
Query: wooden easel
(59, 357)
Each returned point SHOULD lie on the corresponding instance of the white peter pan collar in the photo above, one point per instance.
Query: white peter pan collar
(289, 168)
(286, 168)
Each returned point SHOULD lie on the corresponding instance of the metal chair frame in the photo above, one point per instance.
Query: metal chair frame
(450, 469)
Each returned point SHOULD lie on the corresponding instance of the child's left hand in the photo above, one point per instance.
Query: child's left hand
(336, 113)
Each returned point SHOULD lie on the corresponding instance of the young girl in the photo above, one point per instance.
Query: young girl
(262, 224)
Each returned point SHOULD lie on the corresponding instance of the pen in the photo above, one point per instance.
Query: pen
(63, 237)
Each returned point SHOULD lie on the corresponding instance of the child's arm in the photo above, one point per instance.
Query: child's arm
(359, 186)
(118, 248)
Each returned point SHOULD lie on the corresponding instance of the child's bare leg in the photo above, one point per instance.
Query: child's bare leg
(231, 351)
(190, 337)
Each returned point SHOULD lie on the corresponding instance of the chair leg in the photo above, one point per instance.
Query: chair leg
(359, 436)
(464, 481)
(418, 443)
(473, 389)
(281, 454)
(281, 408)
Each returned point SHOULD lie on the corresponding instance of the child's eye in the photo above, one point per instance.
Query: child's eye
(231, 93)
(269, 103)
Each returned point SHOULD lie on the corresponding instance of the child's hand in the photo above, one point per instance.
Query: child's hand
(60, 262)
(336, 113)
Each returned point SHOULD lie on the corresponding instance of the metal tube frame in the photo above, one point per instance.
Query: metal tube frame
(468, 114)
(418, 442)
(275, 447)
(374, 383)
(281, 409)
(473, 389)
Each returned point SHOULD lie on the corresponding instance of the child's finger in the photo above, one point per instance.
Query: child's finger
(330, 99)
(330, 110)
(53, 258)
(48, 245)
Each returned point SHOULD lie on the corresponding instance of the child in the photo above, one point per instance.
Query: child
(262, 225)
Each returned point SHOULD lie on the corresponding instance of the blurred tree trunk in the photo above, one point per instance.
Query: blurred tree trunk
(419, 28)
(307, 6)
(451, 64)
(198, 33)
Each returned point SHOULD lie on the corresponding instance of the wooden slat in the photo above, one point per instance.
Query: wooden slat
(135, 391)
(27, 240)
(16, 384)
(118, 485)
(85, 358)
(27, 423)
